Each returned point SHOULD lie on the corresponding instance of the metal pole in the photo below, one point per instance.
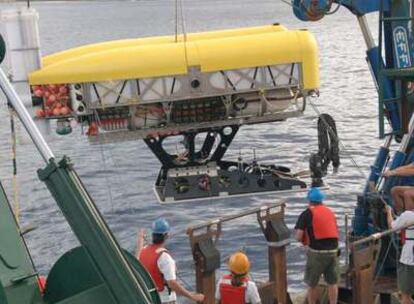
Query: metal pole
(380, 35)
(369, 40)
(346, 240)
(235, 216)
(379, 235)
(25, 118)
(406, 138)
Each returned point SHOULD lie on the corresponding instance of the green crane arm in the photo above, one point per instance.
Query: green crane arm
(125, 284)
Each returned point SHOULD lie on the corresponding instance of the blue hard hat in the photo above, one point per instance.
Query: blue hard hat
(315, 195)
(160, 226)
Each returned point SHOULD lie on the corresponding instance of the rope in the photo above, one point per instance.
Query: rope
(336, 8)
(102, 150)
(176, 20)
(15, 184)
(342, 146)
(5, 263)
(328, 142)
(379, 270)
(183, 26)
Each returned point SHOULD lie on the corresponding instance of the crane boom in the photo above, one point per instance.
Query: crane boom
(391, 62)
(122, 283)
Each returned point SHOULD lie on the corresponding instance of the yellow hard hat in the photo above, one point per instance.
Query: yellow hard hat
(239, 263)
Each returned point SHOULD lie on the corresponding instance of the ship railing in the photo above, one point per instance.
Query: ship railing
(206, 256)
(365, 271)
(379, 235)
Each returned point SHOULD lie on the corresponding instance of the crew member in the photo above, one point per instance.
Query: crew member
(236, 288)
(317, 229)
(402, 195)
(161, 266)
(406, 265)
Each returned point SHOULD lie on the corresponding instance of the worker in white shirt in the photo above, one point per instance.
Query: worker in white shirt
(161, 266)
(236, 287)
(406, 265)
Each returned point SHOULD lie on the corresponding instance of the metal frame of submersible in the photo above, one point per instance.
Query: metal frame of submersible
(197, 101)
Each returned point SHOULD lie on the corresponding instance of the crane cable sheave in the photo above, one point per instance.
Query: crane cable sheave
(312, 10)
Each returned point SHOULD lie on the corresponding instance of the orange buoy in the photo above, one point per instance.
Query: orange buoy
(56, 112)
(38, 93)
(64, 111)
(63, 90)
(40, 113)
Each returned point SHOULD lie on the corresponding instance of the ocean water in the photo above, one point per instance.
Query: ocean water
(120, 176)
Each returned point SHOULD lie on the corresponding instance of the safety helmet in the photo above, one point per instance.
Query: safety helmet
(315, 195)
(239, 263)
(160, 226)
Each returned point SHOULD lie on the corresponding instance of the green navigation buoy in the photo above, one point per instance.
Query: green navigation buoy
(2, 49)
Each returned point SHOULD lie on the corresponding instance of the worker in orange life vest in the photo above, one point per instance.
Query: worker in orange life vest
(317, 229)
(161, 266)
(236, 288)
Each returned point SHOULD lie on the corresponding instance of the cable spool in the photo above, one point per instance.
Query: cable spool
(311, 10)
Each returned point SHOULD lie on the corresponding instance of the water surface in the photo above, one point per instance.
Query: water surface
(120, 176)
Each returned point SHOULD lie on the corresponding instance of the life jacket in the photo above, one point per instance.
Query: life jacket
(149, 259)
(230, 294)
(41, 282)
(323, 224)
(408, 235)
(402, 236)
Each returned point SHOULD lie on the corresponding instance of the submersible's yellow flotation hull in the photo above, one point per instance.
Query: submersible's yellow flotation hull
(104, 46)
(155, 57)
(237, 76)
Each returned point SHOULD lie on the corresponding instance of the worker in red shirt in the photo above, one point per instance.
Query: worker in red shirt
(161, 266)
(317, 229)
